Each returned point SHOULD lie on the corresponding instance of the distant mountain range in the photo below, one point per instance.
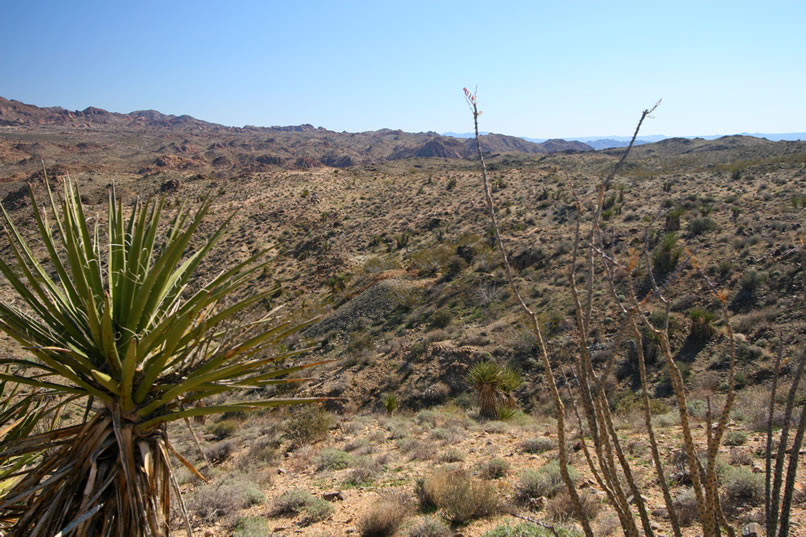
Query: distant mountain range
(608, 142)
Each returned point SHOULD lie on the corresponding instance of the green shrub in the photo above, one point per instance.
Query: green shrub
(441, 318)
(494, 469)
(316, 510)
(224, 498)
(538, 445)
(667, 255)
(333, 459)
(291, 502)
(735, 438)
(390, 403)
(741, 488)
(701, 225)
(546, 481)
(296, 501)
(223, 429)
(701, 325)
(527, 529)
(253, 526)
(430, 526)
(307, 425)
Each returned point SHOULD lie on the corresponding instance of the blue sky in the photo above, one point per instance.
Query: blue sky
(542, 68)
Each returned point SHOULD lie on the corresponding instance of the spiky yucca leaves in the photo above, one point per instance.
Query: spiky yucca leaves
(20, 412)
(111, 320)
(493, 385)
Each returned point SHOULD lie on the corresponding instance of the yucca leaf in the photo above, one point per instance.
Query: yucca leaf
(230, 407)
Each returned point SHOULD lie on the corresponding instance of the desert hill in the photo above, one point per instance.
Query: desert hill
(384, 238)
(228, 148)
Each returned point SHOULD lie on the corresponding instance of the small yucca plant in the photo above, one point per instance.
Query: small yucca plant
(110, 319)
(493, 385)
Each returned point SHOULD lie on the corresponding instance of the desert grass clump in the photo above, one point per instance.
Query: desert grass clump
(225, 498)
(333, 459)
(493, 469)
(735, 438)
(430, 526)
(685, 504)
(560, 509)
(546, 481)
(252, 526)
(297, 501)
(528, 529)
(741, 488)
(384, 518)
(308, 425)
(538, 445)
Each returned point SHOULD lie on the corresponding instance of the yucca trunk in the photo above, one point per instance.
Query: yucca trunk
(106, 479)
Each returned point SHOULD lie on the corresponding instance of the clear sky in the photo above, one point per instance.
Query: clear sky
(543, 68)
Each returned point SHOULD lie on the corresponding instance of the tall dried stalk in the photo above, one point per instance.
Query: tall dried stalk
(607, 461)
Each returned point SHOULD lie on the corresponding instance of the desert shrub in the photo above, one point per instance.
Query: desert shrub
(460, 497)
(262, 450)
(316, 511)
(631, 402)
(333, 459)
(667, 255)
(225, 498)
(296, 501)
(253, 526)
(383, 518)
(685, 504)
(735, 438)
(546, 481)
(493, 469)
(219, 452)
(364, 473)
(430, 526)
(291, 502)
(452, 455)
(538, 445)
(741, 488)
(441, 318)
(701, 324)
(307, 425)
(223, 429)
(560, 509)
(454, 267)
(751, 281)
(673, 219)
(527, 529)
(450, 435)
(701, 225)
(390, 403)
(740, 457)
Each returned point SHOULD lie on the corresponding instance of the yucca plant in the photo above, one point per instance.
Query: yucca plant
(111, 320)
(493, 385)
